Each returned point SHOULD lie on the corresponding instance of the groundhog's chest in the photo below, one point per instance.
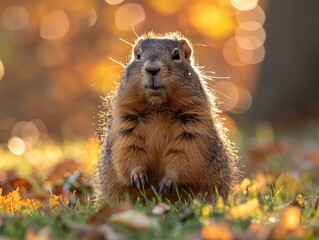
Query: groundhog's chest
(158, 131)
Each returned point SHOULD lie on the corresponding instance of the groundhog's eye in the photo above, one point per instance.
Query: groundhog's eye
(138, 55)
(175, 55)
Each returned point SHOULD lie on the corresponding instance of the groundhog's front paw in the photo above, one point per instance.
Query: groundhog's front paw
(166, 184)
(139, 178)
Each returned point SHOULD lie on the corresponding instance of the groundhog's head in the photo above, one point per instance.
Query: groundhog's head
(162, 69)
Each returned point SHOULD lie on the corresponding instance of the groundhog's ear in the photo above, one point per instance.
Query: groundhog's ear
(137, 46)
(186, 48)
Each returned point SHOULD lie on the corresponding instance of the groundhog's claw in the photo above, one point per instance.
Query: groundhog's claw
(165, 185)
(139, 179)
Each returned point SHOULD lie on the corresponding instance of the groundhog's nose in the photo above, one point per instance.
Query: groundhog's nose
(152, 68)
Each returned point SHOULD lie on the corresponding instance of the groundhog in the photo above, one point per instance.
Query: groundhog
(162, 133)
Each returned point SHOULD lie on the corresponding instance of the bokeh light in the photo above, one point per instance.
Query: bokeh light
(245, 56)
(54, 25)
(211, 20)
(68, 67)
(244, 102)
(30, 133)
(258, 56)
(16, 145)
(244, 5)
(227, 93)
(114, 2)
(251, 56)
(1, 70)
(15, 18)
(251, 20)
(230, 52)
(250, 40)
(92, 17)
(128, 16)
(290, 218)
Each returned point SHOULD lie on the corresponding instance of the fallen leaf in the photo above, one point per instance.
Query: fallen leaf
(134, 220)
(161, 209)
(63, 168)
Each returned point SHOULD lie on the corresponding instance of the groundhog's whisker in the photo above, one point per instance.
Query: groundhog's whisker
(221, 93)
(134, 31)
(200, 44)
(131, 44)
(215, 77)
(209, 72)
(120, 63)
(94, 84)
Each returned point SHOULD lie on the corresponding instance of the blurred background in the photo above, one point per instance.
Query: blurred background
(55, 63)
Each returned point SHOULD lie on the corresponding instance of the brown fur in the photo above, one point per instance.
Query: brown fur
(172, 136)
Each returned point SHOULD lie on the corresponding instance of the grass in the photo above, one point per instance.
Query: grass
(265, 205)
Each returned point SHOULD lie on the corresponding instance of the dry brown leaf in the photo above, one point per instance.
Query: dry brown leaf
(134, 220)
(12, 182)
(63, 168)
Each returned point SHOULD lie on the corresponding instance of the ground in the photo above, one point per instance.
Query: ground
(45, 194)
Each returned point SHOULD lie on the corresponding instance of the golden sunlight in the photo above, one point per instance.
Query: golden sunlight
(161, 5)
(211, 20)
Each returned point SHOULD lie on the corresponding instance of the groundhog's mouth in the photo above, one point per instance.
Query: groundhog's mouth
(155, 95)
(154, 88)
